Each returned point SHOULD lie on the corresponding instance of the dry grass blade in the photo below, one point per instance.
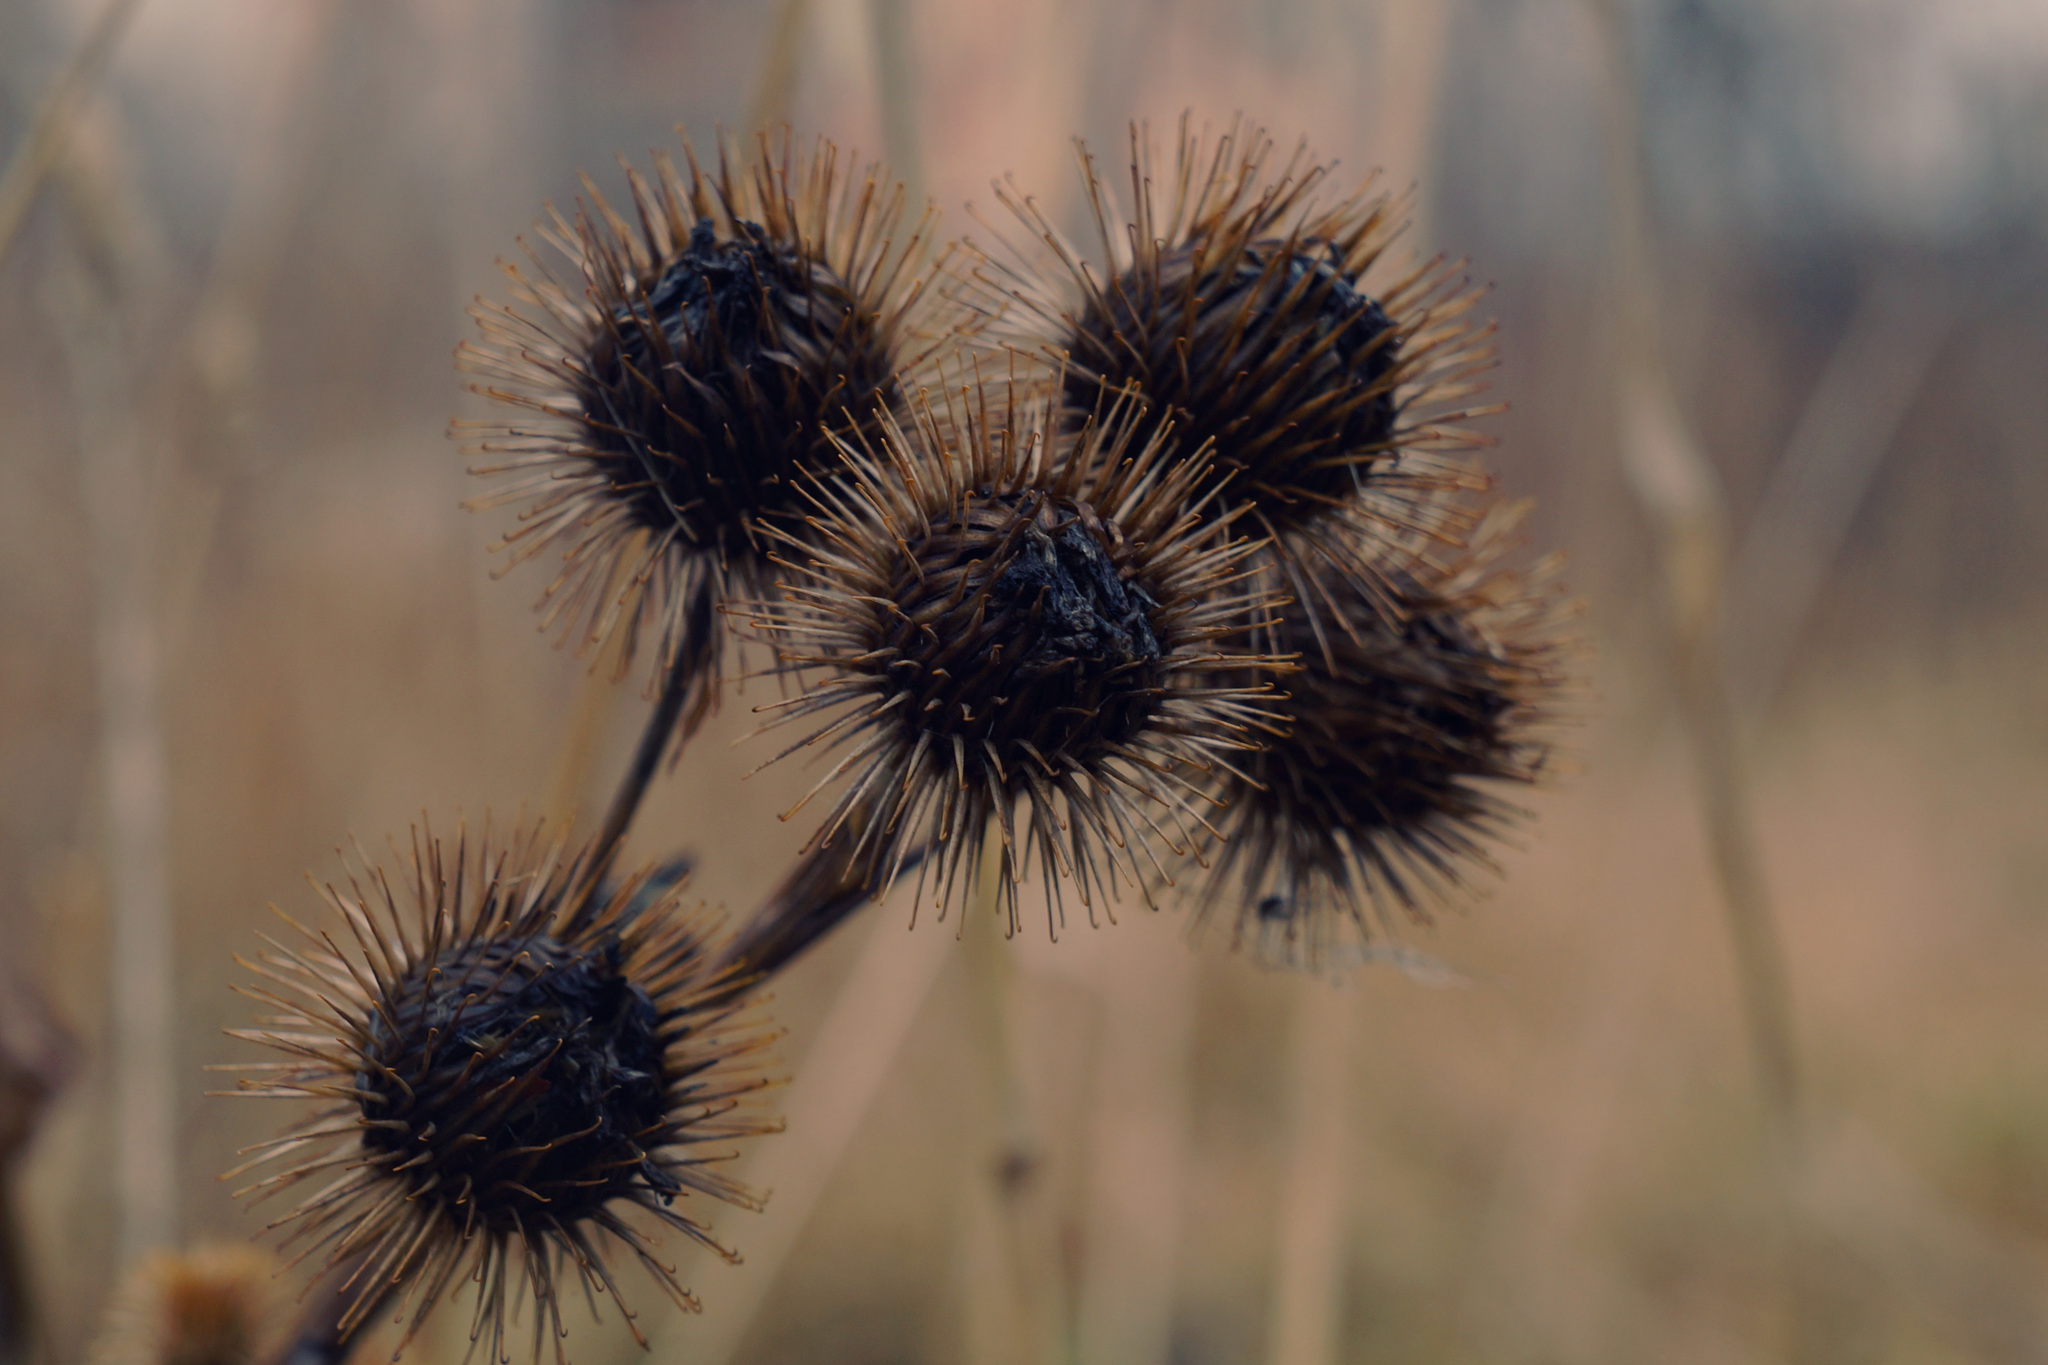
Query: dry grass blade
(45, 141)
(833, 1086)
(1680, 495)
(1850, 421)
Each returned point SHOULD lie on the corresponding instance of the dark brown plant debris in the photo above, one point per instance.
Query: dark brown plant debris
(515, 1076)
(1259, 316)
(675, 376)
(988, 622)
(1386, 786)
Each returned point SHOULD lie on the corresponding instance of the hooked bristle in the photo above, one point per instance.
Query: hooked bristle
(679, 378)
(511, 1060)
(1004, 623)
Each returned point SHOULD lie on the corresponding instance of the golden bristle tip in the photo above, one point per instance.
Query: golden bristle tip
(999, 619)
(1405, 729)
(1263, 314)
(516, 1068)
(215, 1304)
(671, 378)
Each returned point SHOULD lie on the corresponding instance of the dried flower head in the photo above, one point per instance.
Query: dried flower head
(212, 1305)
(509, 1066)
(1385, 788)
(992, 628)
(676, 379)
(1260, 321)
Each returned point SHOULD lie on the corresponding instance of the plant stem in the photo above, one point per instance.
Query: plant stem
(45, 141)
(896, 82)
(683, 673)
(851, 1054)
(1680, 496)
(1011, 1315)
(777, 89)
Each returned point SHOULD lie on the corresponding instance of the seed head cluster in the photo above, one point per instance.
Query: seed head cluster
(994, 623)
(675, 376)
(1161, 563)
(518, 1070)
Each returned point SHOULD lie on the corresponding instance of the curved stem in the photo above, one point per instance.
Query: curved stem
(686, 672)
(646, 758)
(823, 890)
(39, 151)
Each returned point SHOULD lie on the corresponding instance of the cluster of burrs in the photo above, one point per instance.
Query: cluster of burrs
(1149, 568)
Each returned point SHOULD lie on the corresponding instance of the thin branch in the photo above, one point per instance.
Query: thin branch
(776, 94)
(1850, 422)
(897, 87)
(1681, 498)
(39, 151)
(654, 740)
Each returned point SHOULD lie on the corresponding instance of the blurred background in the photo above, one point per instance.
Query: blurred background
(1743, 1056)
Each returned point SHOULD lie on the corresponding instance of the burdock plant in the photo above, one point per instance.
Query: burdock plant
(1259, 315)
(1389, 782)
(992, 622)
(1186, 587)
(517, 1070)
(676, 376)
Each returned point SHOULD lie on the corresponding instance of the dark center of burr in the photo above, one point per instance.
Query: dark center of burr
(1389, 735)
(517, 1077)
(1365, 348)
(1276, 355)
(1075, 608)
(1023, 629)
(711, 300)
(709, 390)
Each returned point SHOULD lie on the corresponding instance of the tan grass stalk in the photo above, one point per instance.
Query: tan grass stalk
(1850, 421)
(822, 1109)
(1307, 1314)
(775, 95)
(896, 87)
(224, 340)
(1012, 1311)
(1137, 1145)
(51, 125)
(120, 481)
(1680, 496)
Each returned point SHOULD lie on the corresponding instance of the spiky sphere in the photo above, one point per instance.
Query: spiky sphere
(1260, 320)
(517, 1070)
(675, 377)
(993, 628)
(1403, 728)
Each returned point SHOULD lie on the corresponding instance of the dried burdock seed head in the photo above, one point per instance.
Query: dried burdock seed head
(987, 628)
(212, 1305)
(1259, 315)
(515, 1077)
(675, 376)
(1384, 790)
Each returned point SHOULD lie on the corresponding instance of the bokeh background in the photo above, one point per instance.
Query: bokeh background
(1773, 306)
